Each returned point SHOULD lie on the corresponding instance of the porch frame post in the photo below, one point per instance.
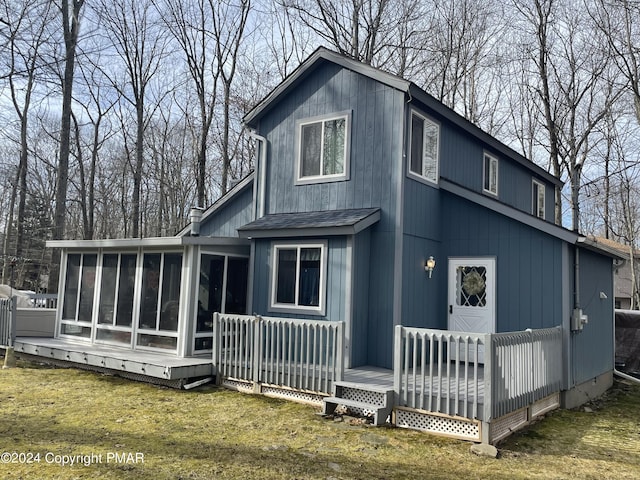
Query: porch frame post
(488, 385)
(397, 364)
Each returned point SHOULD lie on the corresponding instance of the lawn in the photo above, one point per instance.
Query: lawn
(113, 428)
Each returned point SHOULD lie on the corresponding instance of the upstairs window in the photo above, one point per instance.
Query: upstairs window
(538, 199)
(490, 184)
(298, 277)
(425, 148)
(323, 152)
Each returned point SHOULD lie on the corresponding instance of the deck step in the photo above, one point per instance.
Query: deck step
(379, 412)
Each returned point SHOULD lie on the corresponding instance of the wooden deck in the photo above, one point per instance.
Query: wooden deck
(451, 394)
(104, 357)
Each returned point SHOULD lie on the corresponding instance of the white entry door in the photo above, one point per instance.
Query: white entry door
(472, 295)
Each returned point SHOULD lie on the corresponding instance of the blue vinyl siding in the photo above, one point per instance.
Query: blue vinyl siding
(528, 263)
(236, 213)
(336, 280)
(376, 144)
(422, 297)
(592, 348)
(380, 283)
(462, 162)
(360, 267)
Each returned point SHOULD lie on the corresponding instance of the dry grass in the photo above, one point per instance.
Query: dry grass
(215, 433)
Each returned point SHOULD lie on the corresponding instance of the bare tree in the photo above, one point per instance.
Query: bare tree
(575, 86)
(229, 25)
(357, 28)
(26, 35)
(70, 11)
(140, 45)
(191, 24)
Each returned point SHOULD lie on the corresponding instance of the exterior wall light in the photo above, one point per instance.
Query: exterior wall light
(429, 265)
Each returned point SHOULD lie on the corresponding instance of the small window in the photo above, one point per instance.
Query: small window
(538, 199)
(425, 146)
(490, 184)
(323, 153)
(298, 277)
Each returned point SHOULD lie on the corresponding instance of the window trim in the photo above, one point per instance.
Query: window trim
(535, 204)
(300, 180)
(493, 160)
(410, 172)
(274, 306)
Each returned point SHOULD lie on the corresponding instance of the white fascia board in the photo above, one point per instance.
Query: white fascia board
(153, 242)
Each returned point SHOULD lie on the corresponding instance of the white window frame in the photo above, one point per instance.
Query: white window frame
(535, 202)
(323, 119)
(274, 306)
(487, 186)
(419, 175)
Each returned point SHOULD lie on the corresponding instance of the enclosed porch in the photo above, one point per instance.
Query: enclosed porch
(150, 295)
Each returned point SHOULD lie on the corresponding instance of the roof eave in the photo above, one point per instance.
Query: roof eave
(321, 54)
(471, 128)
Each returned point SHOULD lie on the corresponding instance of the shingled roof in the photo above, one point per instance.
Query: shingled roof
(328, 222)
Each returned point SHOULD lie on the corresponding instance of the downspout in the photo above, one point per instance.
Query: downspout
(261, 175)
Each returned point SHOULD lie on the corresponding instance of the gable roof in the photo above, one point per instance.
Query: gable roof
(415, 93)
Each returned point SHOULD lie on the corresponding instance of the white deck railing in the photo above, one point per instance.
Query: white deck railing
(526, 367)
(478, 376)
(7, 321)
(299, 354)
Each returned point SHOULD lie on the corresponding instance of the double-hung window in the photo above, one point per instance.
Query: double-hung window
(490, 181)
(323, 149)
(299, 277)
(538, 199)
(424, 148)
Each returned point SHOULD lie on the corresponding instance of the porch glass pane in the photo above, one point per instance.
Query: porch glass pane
(236, 296)
(108, 289)
(309, 289)
(76, 330)
(171, 276)
(157, 341)
(150, 291)
(209, 291)
(87, 287)
(71, 287)
(126, 285)
(286, 276)
(114, 336)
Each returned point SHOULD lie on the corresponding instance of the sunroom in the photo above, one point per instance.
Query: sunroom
(145, 301)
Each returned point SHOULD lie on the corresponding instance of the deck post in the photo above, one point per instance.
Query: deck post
(339, 367)
(488, 397)
(256, 350)
(216, 348)
(397, 364)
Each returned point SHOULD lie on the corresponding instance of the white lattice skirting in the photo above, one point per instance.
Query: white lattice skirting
(449, 426)
(504, 426)
(274, 391)
(467, 429)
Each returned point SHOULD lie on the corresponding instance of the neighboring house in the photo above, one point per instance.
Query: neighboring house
(623, 279)
(377, 210)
